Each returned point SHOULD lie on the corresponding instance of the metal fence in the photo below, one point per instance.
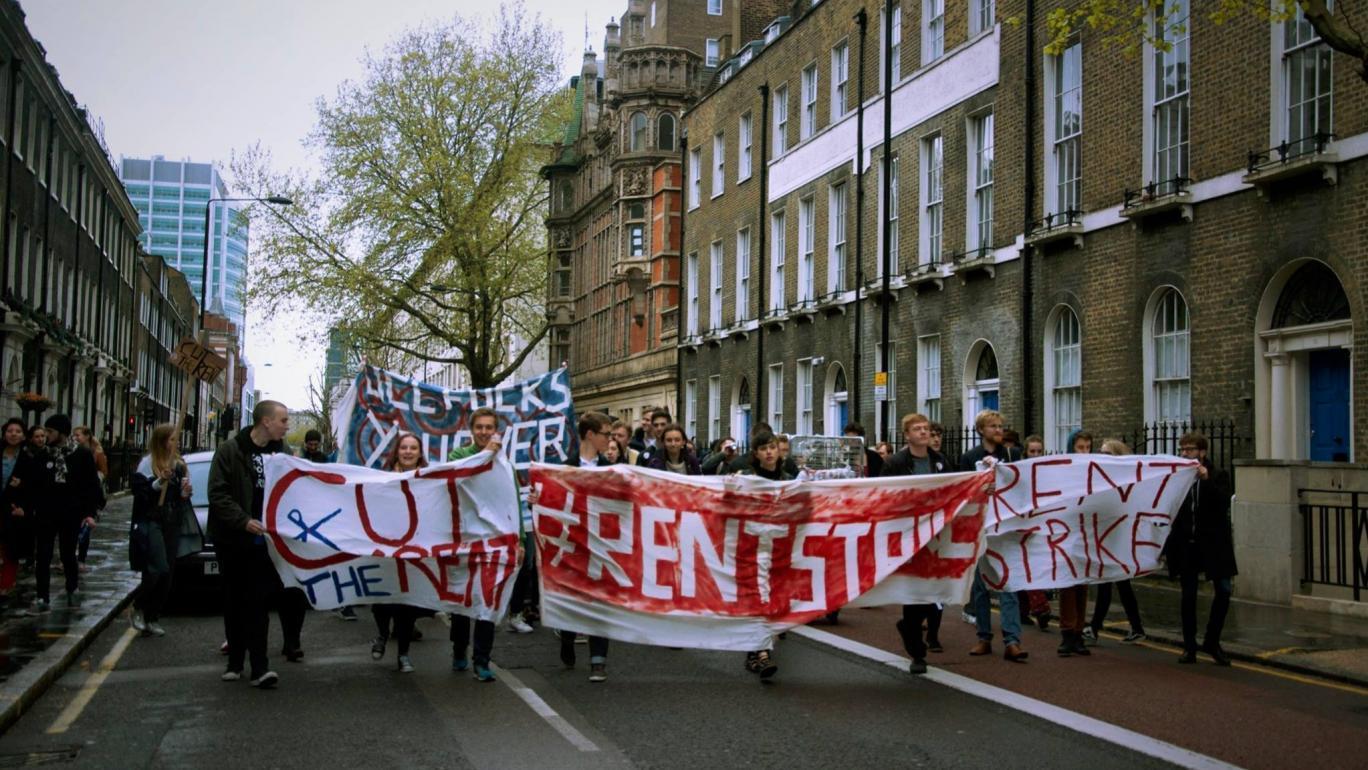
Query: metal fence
(1225, 444)
(1334, 528)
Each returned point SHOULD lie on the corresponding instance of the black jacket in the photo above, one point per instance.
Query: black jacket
(1202, 539)
(18, 530)
(149, 505)
(900, 463)
(231, 485)
(68, 483)
(691, 466)
(971, 458)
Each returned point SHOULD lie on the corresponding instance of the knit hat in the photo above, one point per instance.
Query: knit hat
(60, 423)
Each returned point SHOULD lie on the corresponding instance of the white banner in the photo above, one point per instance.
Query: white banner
(1064, 520)
(444, 537)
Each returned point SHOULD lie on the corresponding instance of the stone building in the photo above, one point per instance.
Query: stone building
(1151, 266)
(615, 219)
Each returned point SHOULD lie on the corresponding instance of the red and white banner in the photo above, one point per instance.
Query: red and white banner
(728, 562)
(1069, 519)
(445, 537)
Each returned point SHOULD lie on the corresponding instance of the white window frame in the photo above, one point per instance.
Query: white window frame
(653, 13)
(807, 125)
(803, 395)
(929, 376)
(744, 128)
(879, 433)
(933, 30)
(691, 409)
(807, 267)
(836, 237)
(774, 382)
(691, 291)
(1167, 359)
(714, 7)
(743, 260)
(1172, 158)
(715, 257)
(1307, 43)
(897, 45)
(982, 16)
(979, 192)
(932, 192)
(777, 248)
(714, 407)
(1063, 139)
(1063, 377)
(719, 176)
(780, 120)
(894, 205)
(712, 49)
(840, 79)
(695, 178)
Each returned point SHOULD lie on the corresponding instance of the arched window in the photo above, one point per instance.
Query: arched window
(981, 381)
(741, 413)
(1063, 378)
(1167, 348)
(665, 132)
(837, 400)
(637, 135)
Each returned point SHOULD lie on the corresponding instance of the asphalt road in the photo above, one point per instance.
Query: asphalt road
(159, 703)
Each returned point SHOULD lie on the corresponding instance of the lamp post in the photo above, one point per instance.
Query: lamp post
(274, 200)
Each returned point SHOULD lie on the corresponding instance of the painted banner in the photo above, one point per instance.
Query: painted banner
(727, 562)
(536, 417)
(1069, 519)
(445, 537)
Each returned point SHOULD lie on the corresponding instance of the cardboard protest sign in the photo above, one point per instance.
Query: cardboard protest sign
(198, 361)
(445, 537)
(1069, 519)
(536, 417)
(726, 562)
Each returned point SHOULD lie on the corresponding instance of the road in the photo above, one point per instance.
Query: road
(134, 702)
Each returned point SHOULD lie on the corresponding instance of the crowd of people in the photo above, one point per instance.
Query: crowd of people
(52, 491)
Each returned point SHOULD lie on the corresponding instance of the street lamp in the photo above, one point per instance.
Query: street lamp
(274, 200)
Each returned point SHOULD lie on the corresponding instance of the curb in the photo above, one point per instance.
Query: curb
(47, 667)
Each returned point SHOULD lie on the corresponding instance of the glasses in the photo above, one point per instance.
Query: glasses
(1192, 450)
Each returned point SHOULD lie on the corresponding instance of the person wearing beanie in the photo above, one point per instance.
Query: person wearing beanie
(74, 498)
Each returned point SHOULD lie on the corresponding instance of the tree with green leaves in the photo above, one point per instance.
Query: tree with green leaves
(421, 237)
(1129, 24)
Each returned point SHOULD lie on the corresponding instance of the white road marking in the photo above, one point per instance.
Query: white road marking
(1072, 720)
(543, 709)
(73, 710)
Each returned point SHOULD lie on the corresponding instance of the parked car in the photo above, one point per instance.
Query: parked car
(197, 563)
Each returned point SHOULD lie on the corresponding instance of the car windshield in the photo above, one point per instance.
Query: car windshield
(199, 479)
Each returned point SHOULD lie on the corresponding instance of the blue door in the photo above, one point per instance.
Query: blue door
(842, 418)
(988, 399)
(1329, 407)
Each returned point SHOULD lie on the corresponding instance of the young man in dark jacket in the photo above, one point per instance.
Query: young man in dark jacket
(74, 497)
(237, 489)
(915, 459)
(1202, 541)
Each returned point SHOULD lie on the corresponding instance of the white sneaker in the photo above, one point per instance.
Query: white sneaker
(517, 624)
(967, 618)
(231, 676)
(266, 681)
(138, 623)
(155, 629)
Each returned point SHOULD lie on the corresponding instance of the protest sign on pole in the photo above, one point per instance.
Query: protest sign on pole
(198, 361)
(445, 537)
(1070, 519)
(726, 562)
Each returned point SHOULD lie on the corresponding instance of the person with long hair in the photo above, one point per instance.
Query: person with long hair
(407, 456)
(765, 462)
(674, 455)
(16, 536)
(86, 438)
(161, 498)
(1115, 446)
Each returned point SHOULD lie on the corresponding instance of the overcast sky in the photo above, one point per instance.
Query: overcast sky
(198, 80)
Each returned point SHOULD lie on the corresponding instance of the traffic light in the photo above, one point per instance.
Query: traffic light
(131, 421)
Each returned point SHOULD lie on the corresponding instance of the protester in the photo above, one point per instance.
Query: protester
(1034, 603)
(622, 434)
(1012, 441)
(1202, 542)
(675, 456)
(1073, 600)
(71, 495)
(313, 447)
(915, 459)
(937, 436)
(406, 457)
(615, 453)
(765, 463)
(790, 467)
(660, 418)
(484, 432)
(86, 438)
(237, 488)
(16, 532)
(884, 450)
(594, 435)
(988, 423)
(1034, 447)
(718, 463)
(873, 463)
(161, 500)
(643, 437)
(1114, 446)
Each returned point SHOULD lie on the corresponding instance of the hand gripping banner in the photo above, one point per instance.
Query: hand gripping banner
(444, 537)
(1068, 519)
(727, 562)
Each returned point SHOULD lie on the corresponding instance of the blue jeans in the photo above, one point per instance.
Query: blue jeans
(981, 599)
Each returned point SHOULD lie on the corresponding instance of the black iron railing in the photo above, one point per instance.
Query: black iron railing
(775, 312)
(1224, 443)
(968, 255)
(922, 268)
(1288, 151)
(1333, 535)
(1154, 191)
(1052, 221)
(830, 297)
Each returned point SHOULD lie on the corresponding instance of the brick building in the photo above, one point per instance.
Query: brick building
(1133, 269)
(167, 313)
(615, 217)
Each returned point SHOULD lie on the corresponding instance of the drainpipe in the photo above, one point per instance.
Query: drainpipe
(758, 392)
(887, 247)
(679, 280)
(1028, 204)
(861, 20)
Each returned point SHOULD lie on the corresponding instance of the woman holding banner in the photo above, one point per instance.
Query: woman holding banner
(676, 458)
(765, 462)
(406, 456)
